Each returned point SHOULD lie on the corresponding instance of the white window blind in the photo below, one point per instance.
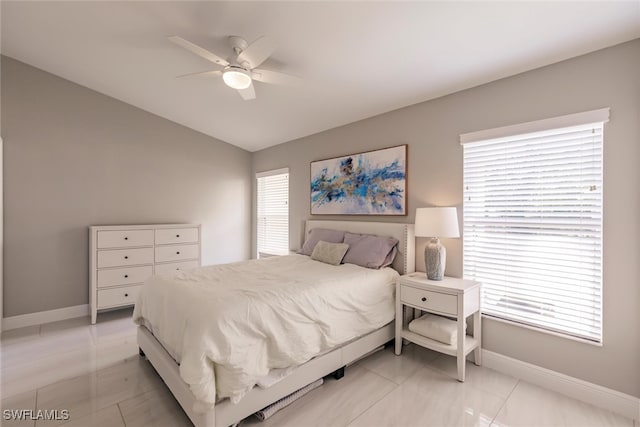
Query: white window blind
(533, 227)
(273, 213)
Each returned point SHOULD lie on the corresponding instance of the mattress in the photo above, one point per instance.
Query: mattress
(230, 325)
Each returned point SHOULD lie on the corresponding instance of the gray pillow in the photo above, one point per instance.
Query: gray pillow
(329, 253)
(317, 234)
(390, 257)
(370, 251)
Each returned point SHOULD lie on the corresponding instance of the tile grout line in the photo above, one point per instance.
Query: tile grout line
(93, 371)
(36, 407)
(376, 402)
(383, 377)
(124, 423)
(420, 363)
(504, 403)
(465, 383)
(89, 345)
(74, 348)
(46, 356)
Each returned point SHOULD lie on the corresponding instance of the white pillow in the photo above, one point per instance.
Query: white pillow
(329, 253)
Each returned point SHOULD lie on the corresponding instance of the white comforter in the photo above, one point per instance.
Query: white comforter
(243, 319)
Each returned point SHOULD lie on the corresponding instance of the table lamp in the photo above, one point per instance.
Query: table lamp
(435, 223)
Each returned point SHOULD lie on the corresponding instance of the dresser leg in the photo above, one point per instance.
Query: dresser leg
(461, 367)
(94, 317)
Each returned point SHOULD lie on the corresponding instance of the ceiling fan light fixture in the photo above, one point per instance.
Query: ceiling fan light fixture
(236, 78)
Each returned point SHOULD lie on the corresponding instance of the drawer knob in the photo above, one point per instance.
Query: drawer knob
(126, 238)
(126, 276)
(126, 257)
(424, 299)
(126, 295)
(178, 253)
(177, 235)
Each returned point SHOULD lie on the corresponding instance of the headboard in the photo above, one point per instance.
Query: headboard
(405, 261)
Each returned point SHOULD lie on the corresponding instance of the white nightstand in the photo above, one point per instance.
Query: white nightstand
(455, 298)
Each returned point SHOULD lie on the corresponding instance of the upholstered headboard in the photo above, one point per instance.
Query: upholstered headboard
(405, 261)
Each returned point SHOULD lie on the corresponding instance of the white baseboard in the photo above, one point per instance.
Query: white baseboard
(597, 395)
(41, 317)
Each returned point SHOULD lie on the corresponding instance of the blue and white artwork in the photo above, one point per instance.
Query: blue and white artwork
(371, 183)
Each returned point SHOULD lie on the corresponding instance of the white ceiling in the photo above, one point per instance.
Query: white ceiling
(358, 59)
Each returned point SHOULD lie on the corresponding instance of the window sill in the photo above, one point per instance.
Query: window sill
(544, 331)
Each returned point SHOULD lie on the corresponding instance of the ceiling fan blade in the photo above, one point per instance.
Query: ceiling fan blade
(275, 77)
(202, 74)
(201, 52)
(248, 93)
(257, 52)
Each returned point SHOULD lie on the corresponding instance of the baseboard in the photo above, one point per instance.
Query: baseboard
(41, 317)
(597, 395)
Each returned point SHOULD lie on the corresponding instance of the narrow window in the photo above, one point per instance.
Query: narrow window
(272, 213)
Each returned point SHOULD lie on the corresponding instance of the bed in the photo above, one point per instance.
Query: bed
(162, 351)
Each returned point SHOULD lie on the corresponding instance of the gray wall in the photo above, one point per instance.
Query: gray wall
(605, 78)
(74, 157)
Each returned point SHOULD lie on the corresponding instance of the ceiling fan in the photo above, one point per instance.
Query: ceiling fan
(240, 71)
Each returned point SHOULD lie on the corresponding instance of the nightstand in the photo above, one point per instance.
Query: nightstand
(450, 297)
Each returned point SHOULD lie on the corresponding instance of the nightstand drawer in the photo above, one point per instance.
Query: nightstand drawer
(428, 300)
(114, 297)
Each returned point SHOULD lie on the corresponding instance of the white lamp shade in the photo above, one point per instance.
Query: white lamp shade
(437, 222)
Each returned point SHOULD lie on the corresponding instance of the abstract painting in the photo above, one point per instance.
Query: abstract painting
(370, 183)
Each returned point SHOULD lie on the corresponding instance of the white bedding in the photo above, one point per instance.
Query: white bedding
(243, 319)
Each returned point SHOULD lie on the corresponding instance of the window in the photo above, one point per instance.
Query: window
(273, 213)
(533, 222)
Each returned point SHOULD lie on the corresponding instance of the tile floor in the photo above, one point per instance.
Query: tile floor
(95, 373)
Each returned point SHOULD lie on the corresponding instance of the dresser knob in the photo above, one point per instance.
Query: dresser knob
(126, 238)
(126, 295)
(126, 276)
(178, 253)
(126, 257)
(424, 299)
(177, 235)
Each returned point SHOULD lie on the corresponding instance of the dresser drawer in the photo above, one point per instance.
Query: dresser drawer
(124, 257)
(175, 266)
(176, 235)
(124, 238)
(177, 253)
(114, 297)
(436, 301)
(124, 276)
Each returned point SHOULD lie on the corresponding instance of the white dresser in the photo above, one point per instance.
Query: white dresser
(122, 257)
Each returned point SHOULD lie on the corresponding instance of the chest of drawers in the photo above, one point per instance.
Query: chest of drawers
(122, 257)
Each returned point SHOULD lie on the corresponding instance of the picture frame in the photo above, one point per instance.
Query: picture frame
(367, 183)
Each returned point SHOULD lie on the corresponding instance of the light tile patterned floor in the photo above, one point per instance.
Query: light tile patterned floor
(94, 372)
